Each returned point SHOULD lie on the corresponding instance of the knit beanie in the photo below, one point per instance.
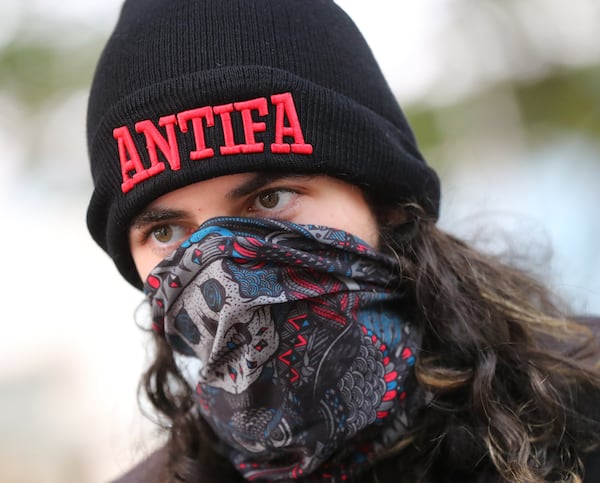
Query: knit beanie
(187, 90)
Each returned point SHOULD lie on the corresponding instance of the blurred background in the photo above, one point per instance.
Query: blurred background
(504, 97)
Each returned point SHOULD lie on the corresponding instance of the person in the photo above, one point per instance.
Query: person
(254, 173)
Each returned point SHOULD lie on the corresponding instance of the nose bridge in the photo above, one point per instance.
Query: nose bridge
(210, 198)
(214, 209)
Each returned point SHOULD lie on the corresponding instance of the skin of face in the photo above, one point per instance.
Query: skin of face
(319, 200)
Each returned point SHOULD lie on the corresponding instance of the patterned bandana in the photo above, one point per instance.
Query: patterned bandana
(293, 338)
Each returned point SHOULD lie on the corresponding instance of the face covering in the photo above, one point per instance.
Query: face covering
(293, 339)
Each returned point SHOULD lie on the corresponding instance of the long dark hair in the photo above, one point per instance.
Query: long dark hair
(513, 395)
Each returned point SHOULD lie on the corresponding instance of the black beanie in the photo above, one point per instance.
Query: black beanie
(187, 90)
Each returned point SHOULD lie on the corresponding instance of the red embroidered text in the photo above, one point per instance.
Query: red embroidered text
(286, 135)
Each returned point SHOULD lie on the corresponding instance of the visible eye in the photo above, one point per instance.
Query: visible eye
(167, 234)
(273, 200)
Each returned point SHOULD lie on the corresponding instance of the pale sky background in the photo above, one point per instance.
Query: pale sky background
(71, 354)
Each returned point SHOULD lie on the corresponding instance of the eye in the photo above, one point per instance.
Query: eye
(163, 234)
(167, 234)
(273, 200)
(268, 200)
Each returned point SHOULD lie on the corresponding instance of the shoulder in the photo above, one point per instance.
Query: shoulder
(147, 471)
(581, 342)
(592, 460)
(591, 322)
(592, 468)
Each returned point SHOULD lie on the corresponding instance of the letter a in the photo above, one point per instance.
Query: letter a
(130, 160)
(286, 108)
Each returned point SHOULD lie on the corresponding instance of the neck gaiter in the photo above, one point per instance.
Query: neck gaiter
(293, 338)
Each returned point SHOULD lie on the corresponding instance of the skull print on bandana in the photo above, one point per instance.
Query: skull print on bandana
(293, 339)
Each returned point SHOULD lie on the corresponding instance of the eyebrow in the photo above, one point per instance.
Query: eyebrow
(149, 216)
(259, 180)
(155, 215)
